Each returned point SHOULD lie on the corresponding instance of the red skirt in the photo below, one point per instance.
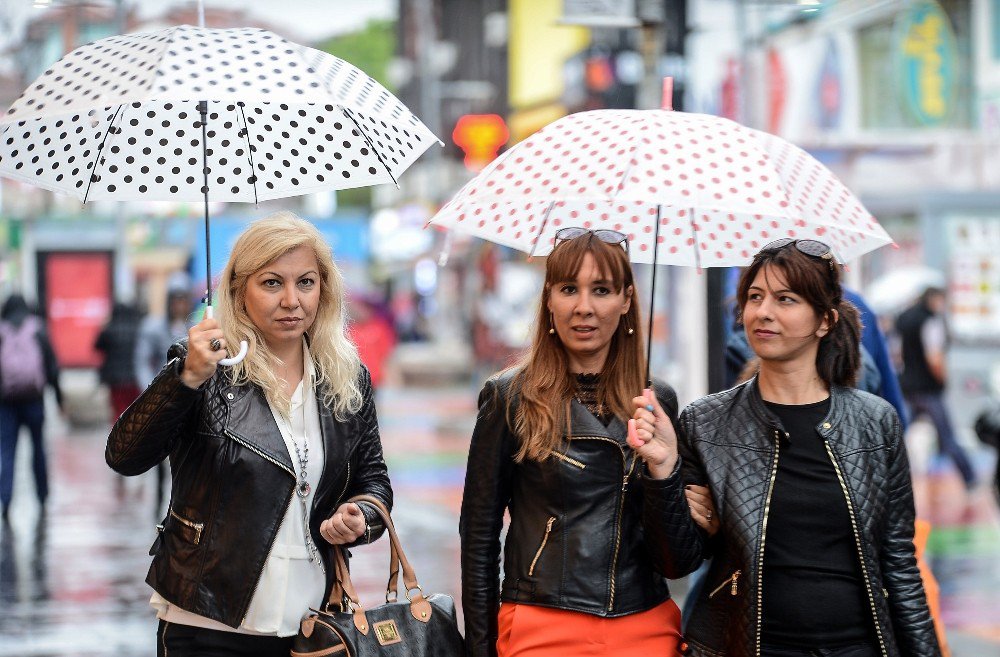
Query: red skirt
(533, 631)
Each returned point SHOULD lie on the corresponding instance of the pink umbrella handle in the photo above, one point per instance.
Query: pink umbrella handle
(244, 347)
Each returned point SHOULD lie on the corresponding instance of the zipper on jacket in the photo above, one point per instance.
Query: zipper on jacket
(621, 508)
(732, 581)
(569, 460)
(763, 537)
(545, 539)
(259, 453)
(196, 526)
(857, 542)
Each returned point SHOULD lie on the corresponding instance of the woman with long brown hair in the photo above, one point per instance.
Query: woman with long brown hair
(591, 536)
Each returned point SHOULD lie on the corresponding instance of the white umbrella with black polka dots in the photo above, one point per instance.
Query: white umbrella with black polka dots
(191, 113)
(118, 119)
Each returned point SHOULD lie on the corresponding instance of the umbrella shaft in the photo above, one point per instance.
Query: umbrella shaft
(203, 110)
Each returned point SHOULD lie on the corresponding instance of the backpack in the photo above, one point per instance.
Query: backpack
(22, 365)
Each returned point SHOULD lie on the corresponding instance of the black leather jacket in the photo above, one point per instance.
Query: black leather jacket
(589, 531)
(233, 480)
(728, 441)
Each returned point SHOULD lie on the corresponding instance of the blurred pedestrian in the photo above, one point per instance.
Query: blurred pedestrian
(158, 332)
(813, 543)
(27, 365)
(372, 332)
(591, 537)
(116, 342)
(924, 342)
(264, 455)
(156, 335)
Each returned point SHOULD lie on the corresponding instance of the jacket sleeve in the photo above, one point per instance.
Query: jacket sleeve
(675, 542)
(486, 496)
(373, 476)
(911, 617)
(151, 427)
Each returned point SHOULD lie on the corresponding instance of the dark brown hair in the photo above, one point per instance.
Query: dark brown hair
(544, 380)
(817, 281)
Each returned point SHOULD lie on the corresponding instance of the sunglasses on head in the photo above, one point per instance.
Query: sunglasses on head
(606, 236)
(811, 248)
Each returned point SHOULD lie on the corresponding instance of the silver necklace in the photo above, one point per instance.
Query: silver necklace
(302, 487)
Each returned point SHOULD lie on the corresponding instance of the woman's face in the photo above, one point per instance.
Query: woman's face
(585, 314)
(780, 325)
(282, 298)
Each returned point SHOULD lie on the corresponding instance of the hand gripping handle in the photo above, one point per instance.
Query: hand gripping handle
(232, 360)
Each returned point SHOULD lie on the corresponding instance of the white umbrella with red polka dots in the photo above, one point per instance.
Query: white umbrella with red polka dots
(709, 192)
(190, 113)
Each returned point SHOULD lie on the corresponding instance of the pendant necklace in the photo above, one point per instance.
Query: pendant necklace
(302, 487)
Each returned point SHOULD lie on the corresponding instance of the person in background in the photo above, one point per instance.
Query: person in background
(373, 334)
(116, 342)
(924, 342)
(156, 334)
(591, 539)
(27, 365)
(812, 546)
(874, 343)
(265, 454)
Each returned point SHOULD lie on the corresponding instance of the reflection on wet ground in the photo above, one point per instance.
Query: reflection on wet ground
(72, 580)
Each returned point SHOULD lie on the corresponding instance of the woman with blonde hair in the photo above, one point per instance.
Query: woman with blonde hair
(264, 455)
(591, 537)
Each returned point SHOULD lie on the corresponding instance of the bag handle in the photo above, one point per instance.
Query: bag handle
(343, 587)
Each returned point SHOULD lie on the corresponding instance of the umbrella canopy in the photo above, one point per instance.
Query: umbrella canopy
(894, 291)
(118, 119)
(708, 191)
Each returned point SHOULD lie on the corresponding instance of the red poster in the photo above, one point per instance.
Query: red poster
(77, 304)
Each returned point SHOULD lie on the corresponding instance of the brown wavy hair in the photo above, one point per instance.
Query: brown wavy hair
(544, 381)
(818, 283)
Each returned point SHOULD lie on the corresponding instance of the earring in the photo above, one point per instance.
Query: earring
(628, 329)
(552, 328)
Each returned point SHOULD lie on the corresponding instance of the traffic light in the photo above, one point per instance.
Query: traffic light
(480, 136)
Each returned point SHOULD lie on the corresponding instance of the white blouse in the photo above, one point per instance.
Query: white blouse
(289, 583)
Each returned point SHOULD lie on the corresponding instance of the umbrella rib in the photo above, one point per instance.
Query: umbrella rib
(694, 238)
(253, 172)
(541, 230)
(364, 134)
(97, 160)
(652, 296)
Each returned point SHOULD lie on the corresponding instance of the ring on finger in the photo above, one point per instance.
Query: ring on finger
(215, 344)
(708, 516)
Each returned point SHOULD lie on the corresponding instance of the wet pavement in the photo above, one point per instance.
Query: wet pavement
(71, 579)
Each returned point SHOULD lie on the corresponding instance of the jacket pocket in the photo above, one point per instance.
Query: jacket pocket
(733, 582)
(541, 547)
(186, 529)
(569, 460)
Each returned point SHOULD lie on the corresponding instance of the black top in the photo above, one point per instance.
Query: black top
(814, 593)
(916, 376)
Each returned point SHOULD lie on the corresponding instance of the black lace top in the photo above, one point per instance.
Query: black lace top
(586, 394)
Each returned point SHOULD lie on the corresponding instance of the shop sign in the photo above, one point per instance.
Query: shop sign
(599, 13)
(830, 88)
(927, 61)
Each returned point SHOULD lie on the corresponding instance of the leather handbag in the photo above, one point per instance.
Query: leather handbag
(419, 626)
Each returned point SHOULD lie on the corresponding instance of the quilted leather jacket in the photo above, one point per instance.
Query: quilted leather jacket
(589, 531)
(729, 441)
(233, 480)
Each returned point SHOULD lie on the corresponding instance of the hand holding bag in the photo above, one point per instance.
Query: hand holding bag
(417, 627)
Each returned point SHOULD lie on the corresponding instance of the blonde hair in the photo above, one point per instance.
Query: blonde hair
(544, 381)
(335, 357)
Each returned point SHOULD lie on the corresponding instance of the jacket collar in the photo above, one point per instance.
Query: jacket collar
(583, 423)
(827, 428)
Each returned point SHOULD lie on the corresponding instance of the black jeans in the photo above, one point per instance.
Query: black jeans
(174, 640)
(857, 650)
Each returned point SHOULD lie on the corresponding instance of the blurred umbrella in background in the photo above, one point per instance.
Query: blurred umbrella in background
(894, 291)
(190, 113)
